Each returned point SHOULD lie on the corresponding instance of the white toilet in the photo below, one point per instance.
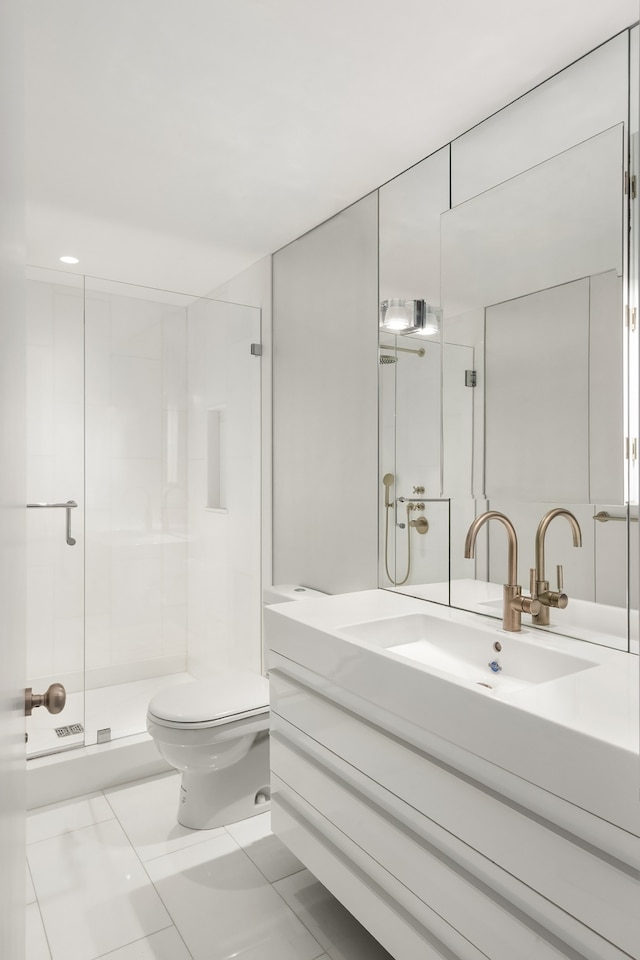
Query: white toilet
(216, 732)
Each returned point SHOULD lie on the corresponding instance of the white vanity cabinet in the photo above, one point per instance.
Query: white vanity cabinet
(438, 851)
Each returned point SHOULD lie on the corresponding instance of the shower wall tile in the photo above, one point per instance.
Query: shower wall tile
(97, 596)
(136, 583)
(136, 328)
(97, 640)
(197, 428)
(40, 620)
(68, 441)
(174, 458)
(174, 359)
(42, 548)
(98, 465)
(40, 408)
(246, 610)
(136, 491)
(68, 643)
(68, 577)
(174, 571)
(136, 382)
(174, 630)
(68, 348)
(39, 313)
(136, 433)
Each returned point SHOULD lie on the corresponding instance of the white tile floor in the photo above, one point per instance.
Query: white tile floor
(114, 876)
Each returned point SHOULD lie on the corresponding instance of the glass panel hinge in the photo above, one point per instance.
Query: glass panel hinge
(630, 185)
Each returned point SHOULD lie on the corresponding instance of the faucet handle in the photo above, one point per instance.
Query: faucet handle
(556, 598)
(526, 604)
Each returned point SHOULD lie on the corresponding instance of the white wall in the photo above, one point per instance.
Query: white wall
(12, 488)
(325, 404)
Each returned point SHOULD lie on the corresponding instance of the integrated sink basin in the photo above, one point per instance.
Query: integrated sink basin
(492, 659)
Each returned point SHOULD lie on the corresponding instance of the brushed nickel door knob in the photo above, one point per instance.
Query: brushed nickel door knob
(53, 699)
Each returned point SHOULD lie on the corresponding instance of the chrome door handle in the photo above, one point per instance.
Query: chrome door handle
(53, 699)
(68, 506)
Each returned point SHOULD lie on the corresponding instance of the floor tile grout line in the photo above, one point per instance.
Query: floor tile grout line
(146, 873)
(92, 795)
(109, 953)
(241, 849)
(206, 834)
(137, 856)
(169, 914)
(323, 951)
(44, 929)
(33, 886)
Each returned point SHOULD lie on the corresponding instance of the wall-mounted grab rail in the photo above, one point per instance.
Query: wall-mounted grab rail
(68, 506)
(604, 517)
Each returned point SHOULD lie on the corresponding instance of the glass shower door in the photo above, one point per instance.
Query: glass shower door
(55, 505)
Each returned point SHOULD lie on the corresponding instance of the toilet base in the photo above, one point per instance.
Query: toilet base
(214, 798)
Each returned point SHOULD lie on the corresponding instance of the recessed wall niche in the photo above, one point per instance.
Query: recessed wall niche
(216, 460)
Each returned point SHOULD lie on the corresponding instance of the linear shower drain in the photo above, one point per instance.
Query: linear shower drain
(69, 731)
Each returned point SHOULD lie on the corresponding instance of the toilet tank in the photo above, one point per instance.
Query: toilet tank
(285, 592)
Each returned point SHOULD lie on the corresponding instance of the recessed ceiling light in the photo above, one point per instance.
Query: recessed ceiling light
(69, 260)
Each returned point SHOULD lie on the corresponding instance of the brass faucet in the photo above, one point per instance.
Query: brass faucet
(514, 602)
(540, 586)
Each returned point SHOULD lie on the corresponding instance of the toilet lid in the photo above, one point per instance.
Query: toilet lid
(228, 696)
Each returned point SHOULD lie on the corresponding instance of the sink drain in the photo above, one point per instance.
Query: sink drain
(481, 683)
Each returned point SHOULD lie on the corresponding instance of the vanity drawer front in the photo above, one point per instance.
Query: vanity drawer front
(393, 914)
(355, 816)
(582, 881)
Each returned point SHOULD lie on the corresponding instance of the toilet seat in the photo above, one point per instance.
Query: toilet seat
(199, 704)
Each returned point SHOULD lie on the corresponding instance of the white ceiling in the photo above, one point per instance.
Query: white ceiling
(174, 142)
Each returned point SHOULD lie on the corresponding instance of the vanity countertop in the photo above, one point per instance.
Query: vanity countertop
(576, 736)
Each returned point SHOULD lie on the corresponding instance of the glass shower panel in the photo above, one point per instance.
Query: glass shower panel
(224, 510)
(55, 498)
(136, 493)
(144, 410)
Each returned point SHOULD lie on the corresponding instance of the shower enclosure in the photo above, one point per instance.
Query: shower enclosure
(144, 410)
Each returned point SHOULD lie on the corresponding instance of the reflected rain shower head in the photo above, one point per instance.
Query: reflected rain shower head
(392, 357)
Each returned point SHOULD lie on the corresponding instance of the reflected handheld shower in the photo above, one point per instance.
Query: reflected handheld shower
(388, 483)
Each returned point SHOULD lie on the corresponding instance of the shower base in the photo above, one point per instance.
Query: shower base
(60, 768)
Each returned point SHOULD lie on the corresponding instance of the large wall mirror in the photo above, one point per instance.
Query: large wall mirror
(517, 237)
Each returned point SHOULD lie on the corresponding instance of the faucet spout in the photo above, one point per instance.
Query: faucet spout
(551, 598)
(514, 603)
(541, 533)
(472, 533)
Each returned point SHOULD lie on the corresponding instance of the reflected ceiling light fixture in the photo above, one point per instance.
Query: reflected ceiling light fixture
(399, 316)
(431, 321)
(69, 260)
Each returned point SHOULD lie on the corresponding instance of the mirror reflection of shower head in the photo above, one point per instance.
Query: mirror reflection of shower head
(388, 482)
